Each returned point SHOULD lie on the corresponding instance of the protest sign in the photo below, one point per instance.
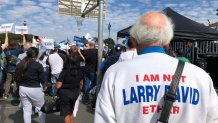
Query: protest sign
(79, 41)
(7, 27)
(64, 46)
(21, 29)
(89, 37)
(47, 44)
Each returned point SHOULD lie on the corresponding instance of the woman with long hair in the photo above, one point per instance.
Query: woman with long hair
(70, 83)
(30, 76)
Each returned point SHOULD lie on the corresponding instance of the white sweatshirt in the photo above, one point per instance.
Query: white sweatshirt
(56, 63)
(128, 55)
(132, 92)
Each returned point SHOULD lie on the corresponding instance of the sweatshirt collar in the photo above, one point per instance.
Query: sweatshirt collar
(152, 49)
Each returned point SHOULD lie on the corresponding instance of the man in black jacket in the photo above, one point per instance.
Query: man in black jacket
(90, 69)
(112, 59)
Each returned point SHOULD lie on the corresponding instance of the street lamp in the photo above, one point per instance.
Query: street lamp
(24, 23)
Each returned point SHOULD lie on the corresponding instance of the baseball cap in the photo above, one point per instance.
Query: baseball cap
(118, 47)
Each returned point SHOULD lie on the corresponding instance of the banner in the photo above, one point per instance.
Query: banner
(89, 37)
(64, 47)
(47, 44)
(79, 41)
(7, 27)
(21, 29)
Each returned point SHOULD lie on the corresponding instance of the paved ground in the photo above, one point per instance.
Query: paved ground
(9, 113)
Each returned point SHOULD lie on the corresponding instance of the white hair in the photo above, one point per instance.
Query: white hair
(146, 34)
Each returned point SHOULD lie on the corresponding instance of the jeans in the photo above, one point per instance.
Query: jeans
(7, 86)
(1, 84)
(89, 83)
(54, 78)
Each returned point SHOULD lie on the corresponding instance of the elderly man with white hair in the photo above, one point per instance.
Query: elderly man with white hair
(132, 91)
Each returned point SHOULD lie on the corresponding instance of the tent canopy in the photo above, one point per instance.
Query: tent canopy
(184, 28)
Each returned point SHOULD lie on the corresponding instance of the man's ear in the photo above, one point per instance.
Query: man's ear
(134, 42)
(166, 47)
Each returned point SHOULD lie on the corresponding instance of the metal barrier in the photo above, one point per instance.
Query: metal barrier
(186, 47)
(195, 50)
(207, 48)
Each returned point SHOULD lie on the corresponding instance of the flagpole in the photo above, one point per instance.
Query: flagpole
(109, 29)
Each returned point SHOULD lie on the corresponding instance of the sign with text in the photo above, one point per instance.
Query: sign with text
(79, 41)
(47, 44)
(21, 29)
(89, 37)
(6, 27)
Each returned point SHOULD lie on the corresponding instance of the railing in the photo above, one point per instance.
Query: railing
(186, 47)
(207, 48)
(195, 50)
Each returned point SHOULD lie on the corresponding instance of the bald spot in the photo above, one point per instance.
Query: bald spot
(153, 19)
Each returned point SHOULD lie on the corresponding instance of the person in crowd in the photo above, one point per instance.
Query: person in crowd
(2, 48)
(132, 91)
(12, 58)
(26, 46)
(105, 56)
(30, 76)
(42, 60)
(181, 56)
(56, 65)
(131, 51)
(113, 58)
(90, 69)
(3, 74)
(70, 83)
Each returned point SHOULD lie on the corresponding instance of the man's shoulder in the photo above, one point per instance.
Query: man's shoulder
(194, 69)
(54, 55)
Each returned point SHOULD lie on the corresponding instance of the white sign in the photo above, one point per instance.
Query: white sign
(7, 27)
(47, 44)
(89, 37)
(21, 29)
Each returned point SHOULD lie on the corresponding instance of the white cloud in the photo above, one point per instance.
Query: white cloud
(43, 19)
(10, 2)
(170, 5)
(28, 2)
(124, 5)
(22, 11)
(146, 2)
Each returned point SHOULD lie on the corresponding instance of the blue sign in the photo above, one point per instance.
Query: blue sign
(79, 41)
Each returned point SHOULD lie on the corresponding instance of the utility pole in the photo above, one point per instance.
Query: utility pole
(100, 43)
(100, 4)
(217, 12)
(25, 24)
(109, 29)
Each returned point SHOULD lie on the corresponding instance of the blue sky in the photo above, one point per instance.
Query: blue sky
(43, 19)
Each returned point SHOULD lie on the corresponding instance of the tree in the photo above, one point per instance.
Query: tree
(109, 42)
(16, 37)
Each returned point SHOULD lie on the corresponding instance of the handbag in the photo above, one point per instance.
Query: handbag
(51, 106)
(170, 96)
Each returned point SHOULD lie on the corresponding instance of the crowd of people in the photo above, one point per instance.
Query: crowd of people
(28, 73)
(136, 77)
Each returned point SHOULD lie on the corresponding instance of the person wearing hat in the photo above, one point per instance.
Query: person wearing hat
(113, 58)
